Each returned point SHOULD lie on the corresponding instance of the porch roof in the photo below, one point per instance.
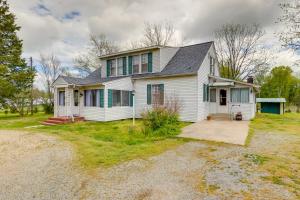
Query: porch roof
(271, 100)
(224, 80)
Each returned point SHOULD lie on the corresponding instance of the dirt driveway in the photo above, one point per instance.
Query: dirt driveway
(34, 166)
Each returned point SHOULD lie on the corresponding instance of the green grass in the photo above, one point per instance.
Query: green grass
(99, 143)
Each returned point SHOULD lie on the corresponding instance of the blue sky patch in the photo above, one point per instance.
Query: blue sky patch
(71, 15)
(41, 9)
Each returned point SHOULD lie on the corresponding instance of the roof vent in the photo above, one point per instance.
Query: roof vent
(250, 79)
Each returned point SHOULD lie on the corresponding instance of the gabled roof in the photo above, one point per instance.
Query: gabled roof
(186, 61)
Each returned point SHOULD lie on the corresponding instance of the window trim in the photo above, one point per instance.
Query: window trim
(147, 63)
(163, 91)
(121, 98)
(110, 67)
(139, 61)
(92, 104)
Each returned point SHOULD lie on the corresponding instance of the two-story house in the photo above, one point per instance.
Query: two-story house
(131, 81)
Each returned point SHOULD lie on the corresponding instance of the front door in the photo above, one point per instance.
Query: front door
(223, 105)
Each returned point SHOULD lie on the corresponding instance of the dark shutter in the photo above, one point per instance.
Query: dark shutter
(150, 62)
(108, 68)
(204, 92)
(130, 65)
(101, 94)
(130, 98)
(207, 92)
(109, 99)
(149, 95)
(124, 66)
(162, 97)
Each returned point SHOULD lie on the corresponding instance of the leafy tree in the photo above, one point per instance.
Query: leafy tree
(280, 83)
(15, 75)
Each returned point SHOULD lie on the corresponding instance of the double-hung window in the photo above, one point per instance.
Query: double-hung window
(239, 95)
(112, 68)
(212, 95)
(120, 98)
(91, 98)
(155, 94)
(61, 98)
(144, 63)
(120, 66)
(76, 97)
(136, 64)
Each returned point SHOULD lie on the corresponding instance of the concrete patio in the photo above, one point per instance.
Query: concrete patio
(233, 132)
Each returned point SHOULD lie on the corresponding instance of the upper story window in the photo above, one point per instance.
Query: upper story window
(144, 63)
(136, 64)
(120, 66)
(111, 68)
(211, 65)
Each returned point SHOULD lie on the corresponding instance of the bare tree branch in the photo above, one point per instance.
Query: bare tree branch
(238, 50)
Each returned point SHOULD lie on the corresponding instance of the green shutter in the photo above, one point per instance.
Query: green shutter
(110, 98)
(124, 66)
(149, 95)
(130, 98)
(207, 92)
(204, 92)
(130, 65)
(107, 68)
(150, 62)
(101, 94)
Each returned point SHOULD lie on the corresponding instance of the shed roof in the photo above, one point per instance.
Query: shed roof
(271, 100)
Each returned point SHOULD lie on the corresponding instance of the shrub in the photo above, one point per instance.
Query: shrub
(162, 120)
(48, 108)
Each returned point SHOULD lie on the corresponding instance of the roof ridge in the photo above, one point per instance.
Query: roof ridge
(197, 44)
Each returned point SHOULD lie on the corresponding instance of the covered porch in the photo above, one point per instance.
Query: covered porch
(228, 97)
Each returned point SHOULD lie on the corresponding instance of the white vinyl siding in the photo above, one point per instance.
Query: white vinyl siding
(183, 88)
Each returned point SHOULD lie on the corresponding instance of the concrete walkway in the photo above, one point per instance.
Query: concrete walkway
(233, 132)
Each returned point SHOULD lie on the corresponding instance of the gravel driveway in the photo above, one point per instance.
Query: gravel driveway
(34, 166)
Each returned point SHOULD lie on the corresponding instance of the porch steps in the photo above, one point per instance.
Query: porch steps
(61, 120)
(221, 117)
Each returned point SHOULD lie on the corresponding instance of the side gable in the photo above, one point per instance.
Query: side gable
(59, 81)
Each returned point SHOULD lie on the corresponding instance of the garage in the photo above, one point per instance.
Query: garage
(271, 105)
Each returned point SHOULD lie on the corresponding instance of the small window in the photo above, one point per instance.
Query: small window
(157, 94)
(76, 97)
(120, 66)
(144, 63)
(212, 95)
(112, 67)
(212, 65)
(136, 64)
(61, 98)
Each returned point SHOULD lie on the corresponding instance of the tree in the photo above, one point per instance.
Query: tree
(50, 69)
(290, 37)
(15, 75)
(160, 34)
(99, 45)
(280, 83)
(238, 49)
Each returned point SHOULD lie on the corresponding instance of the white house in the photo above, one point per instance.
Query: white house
(129, 81)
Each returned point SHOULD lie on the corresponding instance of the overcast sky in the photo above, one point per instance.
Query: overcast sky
(62, 27)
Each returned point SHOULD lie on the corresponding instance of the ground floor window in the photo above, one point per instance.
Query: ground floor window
(155, 94)
(239, 95)
(212, 95)
(61, 98)
(118, 98)
(91, 98)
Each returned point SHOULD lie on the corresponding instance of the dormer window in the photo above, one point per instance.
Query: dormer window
(144, 63)
(136, 64)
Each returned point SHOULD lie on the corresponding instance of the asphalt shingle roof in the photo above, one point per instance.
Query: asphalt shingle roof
(187, 60)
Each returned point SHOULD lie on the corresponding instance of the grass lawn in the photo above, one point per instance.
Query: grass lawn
(98, 143)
